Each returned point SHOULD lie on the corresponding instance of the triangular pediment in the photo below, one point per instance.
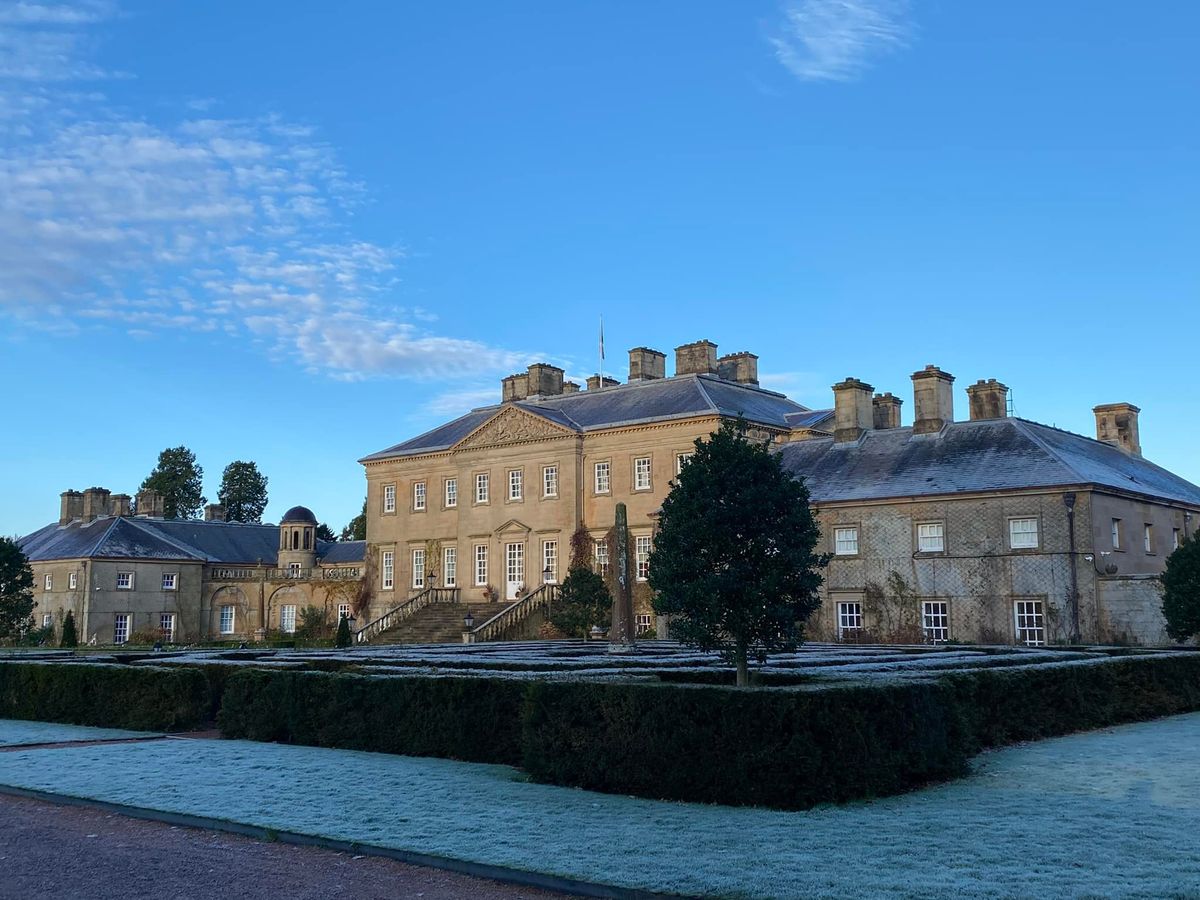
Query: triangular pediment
(513, 526)
(512, 425)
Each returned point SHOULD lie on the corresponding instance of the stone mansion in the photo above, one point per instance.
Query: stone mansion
(992, 529)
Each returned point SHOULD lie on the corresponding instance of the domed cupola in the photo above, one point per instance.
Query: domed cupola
(298, 540)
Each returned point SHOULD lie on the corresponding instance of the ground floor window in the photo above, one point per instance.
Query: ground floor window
(227, 620)
(643, 622)
(601, 556)
(287, 619)
(418, 569)
(343, 611)
(550, 561)
(166, 627)
(850, 618)
(47, 619)
(121, 628)
(935, 620)
(1030, 622)
(450, 566)
(641, 554)
(481, 564)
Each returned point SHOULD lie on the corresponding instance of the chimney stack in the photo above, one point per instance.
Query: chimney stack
(544, 380)
(95, 503)
(119, 504)
(741, 367)
(646, 364)
(214, 512)
(1117, 424)
(988, 399)
(150, 504)
(696, 358)
(595, 382)
(933, 400)
(886, 409)
(514, 387)
(71, 507)
(852, 416)
(570, 387)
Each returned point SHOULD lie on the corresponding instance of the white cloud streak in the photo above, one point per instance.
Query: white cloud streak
(836, 40)
(199, 224)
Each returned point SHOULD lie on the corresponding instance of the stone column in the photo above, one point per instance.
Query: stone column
(620, 636)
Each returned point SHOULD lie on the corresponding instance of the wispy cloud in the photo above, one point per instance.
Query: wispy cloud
(193, 223)
(835, 40)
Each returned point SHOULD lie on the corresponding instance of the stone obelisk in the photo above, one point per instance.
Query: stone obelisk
(620, 636)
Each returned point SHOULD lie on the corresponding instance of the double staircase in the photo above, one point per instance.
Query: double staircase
(435, 616)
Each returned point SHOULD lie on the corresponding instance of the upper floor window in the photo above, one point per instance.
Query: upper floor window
(389, 498)
(600, 554)
(419, 495)
(641, 552)
(388, 570)
(1116, 534)
(451, 492)
(481, 488)
(845, 541)
(1148, 537)
(550, 481)
(515, 484)
(48, 582)
(681, 460)
(1023, 534)
(170, 581)
(931, 537)
(73, 580)
(603, 481)
(641, 473)
(1174, 541)
(124, 581)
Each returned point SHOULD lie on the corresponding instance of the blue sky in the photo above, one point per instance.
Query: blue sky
(294, 234)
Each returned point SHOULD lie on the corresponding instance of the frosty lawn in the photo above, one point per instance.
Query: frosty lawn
(1111, 813)
(14, 732)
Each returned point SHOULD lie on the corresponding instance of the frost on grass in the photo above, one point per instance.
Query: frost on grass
(15, 732)
(1110, 813)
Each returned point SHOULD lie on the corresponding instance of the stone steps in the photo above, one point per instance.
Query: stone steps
(439, 623)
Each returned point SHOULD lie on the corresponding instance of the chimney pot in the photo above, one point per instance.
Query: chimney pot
(646, 364)
(852, 410)
(933, 400)
(1117, 424)
(696, 358)
(886, 410)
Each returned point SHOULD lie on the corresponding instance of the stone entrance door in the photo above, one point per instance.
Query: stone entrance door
(514, 569)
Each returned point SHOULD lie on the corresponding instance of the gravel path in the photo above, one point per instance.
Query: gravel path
(52, 852)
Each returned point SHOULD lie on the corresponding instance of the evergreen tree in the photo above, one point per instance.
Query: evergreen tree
(343, 638)
(1181, 591)
(357, 529)
(584, 599)
(243, 492)
(69, 637)
(734, 560)
(325, 533)
(16, 590)
(180, 481)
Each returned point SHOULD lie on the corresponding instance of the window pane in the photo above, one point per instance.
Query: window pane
(845, 541)
(935, 620)
(1023, 533)
(930, 538)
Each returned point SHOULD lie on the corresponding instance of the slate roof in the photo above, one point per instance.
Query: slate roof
(172, 539)
(662, 399)
(986, 455)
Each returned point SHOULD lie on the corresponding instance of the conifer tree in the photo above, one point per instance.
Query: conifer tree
(16, 590)
(584, 599)
(243, 492)
(1181, 591)
(69, 637)
(343, 638)
(180, 481)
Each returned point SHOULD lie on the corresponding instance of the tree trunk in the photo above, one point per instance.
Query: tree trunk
(743, 675)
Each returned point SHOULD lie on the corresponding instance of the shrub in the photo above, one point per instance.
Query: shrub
(343, 638)
(69, 637)
(143, 698)
(472, 719)
(1181, 591)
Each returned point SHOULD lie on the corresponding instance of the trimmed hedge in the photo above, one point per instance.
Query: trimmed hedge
(473, 719)
(779, 748)
(140, 698)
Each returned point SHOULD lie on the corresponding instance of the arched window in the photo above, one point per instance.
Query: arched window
(295, 540)
(307, 538)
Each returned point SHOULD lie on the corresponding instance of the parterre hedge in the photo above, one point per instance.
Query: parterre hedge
(474, 719)
(141, 698)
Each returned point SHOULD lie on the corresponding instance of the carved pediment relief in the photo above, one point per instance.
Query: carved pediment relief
(511, 426)
(512, 527)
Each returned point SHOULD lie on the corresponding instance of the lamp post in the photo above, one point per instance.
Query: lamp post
(469, 627)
